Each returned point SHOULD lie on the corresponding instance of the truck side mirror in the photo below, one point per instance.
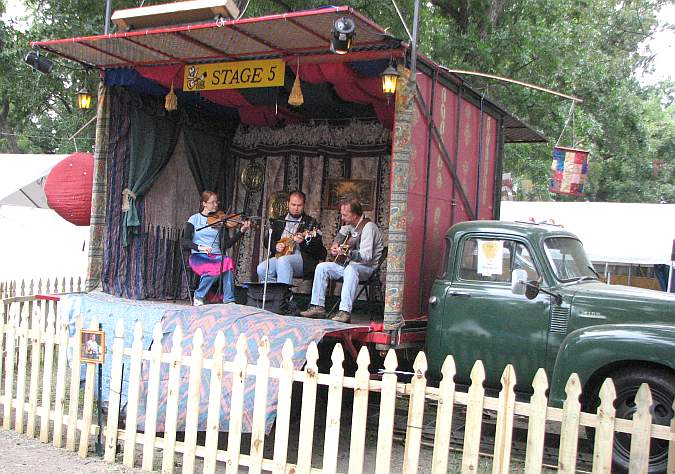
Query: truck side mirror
(518, 282)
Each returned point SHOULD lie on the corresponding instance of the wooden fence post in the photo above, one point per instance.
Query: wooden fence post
(88, 403)
(360, 412)
(260, 407)
(74, 397)
(285, 395)
(150, 428)
(413, 436)
(21, 376)
(114, 395)
(192, 416)
(215, 391)
(173, 387)
(35, 359)
(131, 424)
(61, 370)
(385, 428)
(604, 433)
(671, 446)
(474, 419)
(569, 429)
(446, 400)
(504, 430)
(47, 375)
(237, 407)
(333, 411)
(642, 430)
(9, 367)
(536, 426)
(309, 387)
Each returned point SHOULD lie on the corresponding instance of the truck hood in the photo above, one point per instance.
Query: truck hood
(621, 304)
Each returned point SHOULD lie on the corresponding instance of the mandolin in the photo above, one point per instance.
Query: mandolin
(289, 243)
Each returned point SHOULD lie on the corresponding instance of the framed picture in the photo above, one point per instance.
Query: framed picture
(340, 188)
(92, 346)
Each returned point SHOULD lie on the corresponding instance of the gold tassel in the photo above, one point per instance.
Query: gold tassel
(296, 99)
(171, 101)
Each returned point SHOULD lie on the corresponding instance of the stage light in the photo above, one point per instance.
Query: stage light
(83, 99)
(37, 62)
(389, 80)
(344, 31)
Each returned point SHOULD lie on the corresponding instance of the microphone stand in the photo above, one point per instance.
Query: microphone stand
(267, 263)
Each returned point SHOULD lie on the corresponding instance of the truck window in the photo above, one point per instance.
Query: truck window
(494, 259)
(568, 259)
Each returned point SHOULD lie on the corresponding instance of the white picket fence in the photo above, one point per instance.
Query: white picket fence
(32, 342)
(12, 288)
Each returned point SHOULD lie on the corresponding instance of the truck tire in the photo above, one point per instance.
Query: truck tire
(662, 385)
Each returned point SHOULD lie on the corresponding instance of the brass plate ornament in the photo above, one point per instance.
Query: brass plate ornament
(252, 177)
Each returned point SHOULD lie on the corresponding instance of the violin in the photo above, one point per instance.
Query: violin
(231, 220)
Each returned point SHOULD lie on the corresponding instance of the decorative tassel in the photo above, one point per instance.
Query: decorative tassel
(296, 99)
(171, 101)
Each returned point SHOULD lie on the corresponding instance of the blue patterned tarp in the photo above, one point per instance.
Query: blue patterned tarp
(232, 319)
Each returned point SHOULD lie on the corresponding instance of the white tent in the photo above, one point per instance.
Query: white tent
(35, 241)
(22, 178)
(622, 233)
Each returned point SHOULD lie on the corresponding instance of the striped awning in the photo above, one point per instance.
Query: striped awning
(290, 34)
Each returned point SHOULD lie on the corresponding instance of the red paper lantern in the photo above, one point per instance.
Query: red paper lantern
(68, 188)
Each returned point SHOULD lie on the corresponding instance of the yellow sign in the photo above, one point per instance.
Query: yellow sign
(234, 75)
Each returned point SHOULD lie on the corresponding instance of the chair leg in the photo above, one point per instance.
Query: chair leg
(187, 280)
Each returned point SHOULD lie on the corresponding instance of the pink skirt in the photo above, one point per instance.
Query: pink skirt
(210, 264)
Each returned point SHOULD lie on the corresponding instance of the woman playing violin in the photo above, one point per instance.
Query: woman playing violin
(207, 245)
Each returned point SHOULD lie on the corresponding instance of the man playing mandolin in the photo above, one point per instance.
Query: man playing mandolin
(356, 250)
(297, 247)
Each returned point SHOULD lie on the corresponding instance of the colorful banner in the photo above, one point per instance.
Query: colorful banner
(568, 171)
(234, 75)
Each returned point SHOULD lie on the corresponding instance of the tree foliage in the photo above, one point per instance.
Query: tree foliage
(587, 48)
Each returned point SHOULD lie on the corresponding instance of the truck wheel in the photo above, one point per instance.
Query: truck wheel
(662, 385)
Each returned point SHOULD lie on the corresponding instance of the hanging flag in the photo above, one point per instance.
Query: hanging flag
(568, 171)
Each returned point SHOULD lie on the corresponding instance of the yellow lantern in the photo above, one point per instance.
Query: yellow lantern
(389, 79)
(83, 99)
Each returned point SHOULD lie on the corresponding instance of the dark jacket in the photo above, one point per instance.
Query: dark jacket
(226, 240)
(312, 253)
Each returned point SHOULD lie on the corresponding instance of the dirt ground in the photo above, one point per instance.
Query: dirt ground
(22, 455)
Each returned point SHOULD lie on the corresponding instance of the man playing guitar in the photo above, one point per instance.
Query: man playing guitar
(356, 250)
(296, 230)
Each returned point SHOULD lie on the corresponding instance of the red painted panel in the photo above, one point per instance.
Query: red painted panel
(416, 204)
(488, 167)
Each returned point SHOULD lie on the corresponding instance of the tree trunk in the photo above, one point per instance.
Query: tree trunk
(8, 143)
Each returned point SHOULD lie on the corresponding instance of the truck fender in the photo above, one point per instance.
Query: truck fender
(590, 349)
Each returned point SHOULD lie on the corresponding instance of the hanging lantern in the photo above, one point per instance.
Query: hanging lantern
(83, 99)
(568, 171)
(389, 79)
(171, 100)
(68, 188)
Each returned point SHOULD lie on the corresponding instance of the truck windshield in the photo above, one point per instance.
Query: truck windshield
(568, 259)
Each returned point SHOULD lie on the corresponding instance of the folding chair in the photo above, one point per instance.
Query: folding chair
(373, 282)
(189, 277)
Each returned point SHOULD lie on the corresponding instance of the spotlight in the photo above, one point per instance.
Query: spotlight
(343, 34)
(389, 79)
(37, 62)
(83, 99)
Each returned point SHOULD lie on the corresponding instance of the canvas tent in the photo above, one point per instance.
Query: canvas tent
(23, 177)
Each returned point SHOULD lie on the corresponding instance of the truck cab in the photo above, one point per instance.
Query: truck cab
(568, 322)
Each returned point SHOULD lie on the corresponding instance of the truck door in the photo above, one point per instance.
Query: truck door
(484, 320)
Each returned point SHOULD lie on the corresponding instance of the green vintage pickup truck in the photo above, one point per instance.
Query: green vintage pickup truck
(563, 319)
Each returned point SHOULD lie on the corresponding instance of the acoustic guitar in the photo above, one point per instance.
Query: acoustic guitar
(349, 244)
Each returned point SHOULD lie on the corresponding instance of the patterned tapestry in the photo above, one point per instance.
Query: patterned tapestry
(304, 157)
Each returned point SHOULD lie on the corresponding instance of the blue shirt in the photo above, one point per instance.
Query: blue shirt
(207, 237)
